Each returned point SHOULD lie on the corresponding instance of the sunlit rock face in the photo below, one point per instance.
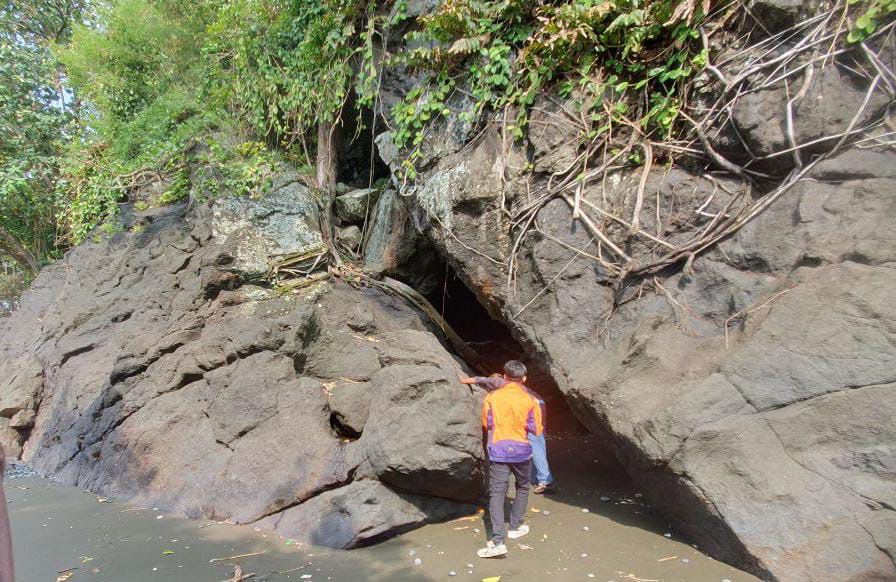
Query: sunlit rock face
(152, 367)
(750, 391)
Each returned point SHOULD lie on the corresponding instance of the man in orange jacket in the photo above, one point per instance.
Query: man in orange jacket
(509, 414)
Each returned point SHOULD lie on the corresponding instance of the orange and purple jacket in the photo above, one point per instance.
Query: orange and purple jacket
(509, 414)
(495, 381)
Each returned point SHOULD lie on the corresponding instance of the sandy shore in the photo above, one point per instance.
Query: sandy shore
(596, 527)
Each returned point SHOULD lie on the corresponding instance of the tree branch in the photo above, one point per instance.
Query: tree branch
(15, 249)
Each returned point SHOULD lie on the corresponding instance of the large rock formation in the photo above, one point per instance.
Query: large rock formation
(146, 367)
(750, 392)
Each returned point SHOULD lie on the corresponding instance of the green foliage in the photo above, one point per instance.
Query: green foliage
(141, 69)
(37, 22)
(287, 66)
(12, 284)
(33, 126)
(874, 12)
(169, 85)
(91, 196)
(137, 54)
(503, 53)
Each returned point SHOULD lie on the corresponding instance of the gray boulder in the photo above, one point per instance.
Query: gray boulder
(124, 374)
(350, 236)
(357, 514)
(392, 236)
(357, 205)
(436, 458)
(554, 135)
(747, 397)
(254, 230)
(776, 15)
(350, 406)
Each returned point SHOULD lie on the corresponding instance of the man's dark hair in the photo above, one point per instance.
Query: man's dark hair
(515, 370)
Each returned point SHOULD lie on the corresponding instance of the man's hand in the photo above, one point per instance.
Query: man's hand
(466, 380)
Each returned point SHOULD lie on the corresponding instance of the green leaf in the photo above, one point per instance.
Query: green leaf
(855, 35)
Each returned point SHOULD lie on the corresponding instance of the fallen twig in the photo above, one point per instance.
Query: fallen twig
(302, 567)
(215, 560)
(750, 309)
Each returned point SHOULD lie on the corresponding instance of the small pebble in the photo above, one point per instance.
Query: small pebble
(667, 535)
(591, 575)
(584, 556)
(471, 566)
(306, 576)
(452, 573)
(417, 561)
(412, 553)
(604, 498)
(545, 512)
(685, 561)
(725, 580)
(586, 528)
(475, 530)
(159, 517)
(584, 511)
(154, 569)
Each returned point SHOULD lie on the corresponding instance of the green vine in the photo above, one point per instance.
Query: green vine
(875, 11)
(619, 58)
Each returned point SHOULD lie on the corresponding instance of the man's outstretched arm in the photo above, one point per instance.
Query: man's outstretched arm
(487, 383)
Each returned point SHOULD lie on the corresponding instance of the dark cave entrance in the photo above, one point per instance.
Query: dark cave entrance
(358, 163)
(495, 344)
(584, 465)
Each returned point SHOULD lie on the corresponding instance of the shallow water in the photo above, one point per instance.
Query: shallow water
(59, 529)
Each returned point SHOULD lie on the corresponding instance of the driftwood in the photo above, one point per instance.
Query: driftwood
(356, 277)
(420, 302)
(412, 296)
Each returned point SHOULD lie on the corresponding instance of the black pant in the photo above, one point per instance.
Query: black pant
(498, 482)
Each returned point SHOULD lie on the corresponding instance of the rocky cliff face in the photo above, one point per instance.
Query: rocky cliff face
(749, 386)
(149, 368)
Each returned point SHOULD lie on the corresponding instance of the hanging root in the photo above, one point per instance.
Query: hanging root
(791, 59)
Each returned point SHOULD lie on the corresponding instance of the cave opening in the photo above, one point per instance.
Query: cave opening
(584, 465)
(358, 163)
(493, 341)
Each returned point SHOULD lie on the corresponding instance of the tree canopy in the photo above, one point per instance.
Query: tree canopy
(96, 93)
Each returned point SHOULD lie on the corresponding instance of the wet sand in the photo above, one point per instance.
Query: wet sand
(575, 536)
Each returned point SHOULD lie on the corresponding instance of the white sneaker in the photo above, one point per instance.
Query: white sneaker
(491, 550)
(519, 532)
